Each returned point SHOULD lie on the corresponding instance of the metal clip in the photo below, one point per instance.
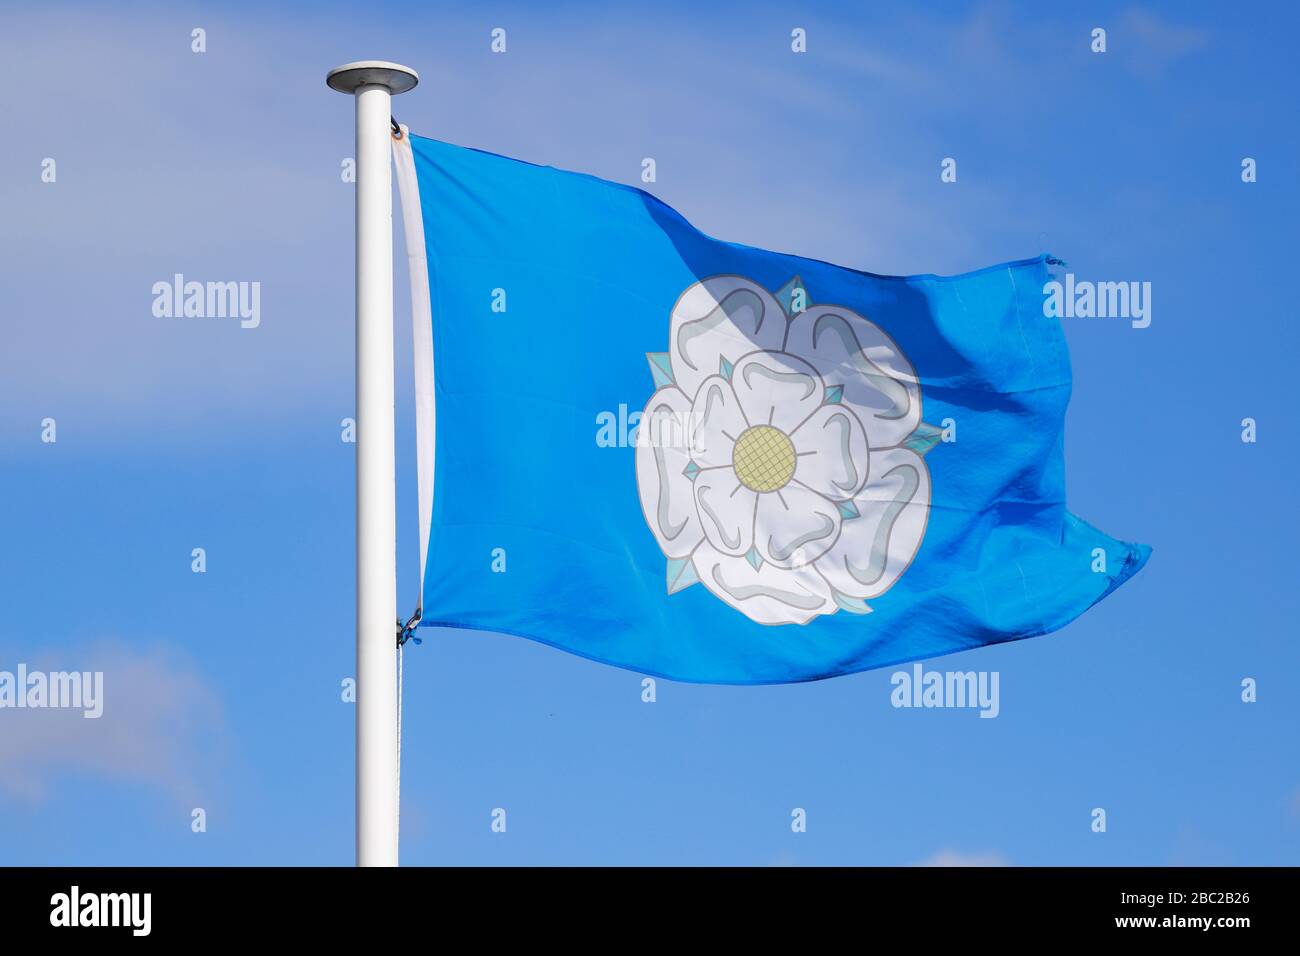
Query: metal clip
(406, 632)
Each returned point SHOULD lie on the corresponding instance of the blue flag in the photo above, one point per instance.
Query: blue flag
(714, 463)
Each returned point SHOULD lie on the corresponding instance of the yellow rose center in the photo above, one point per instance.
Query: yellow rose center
(764, 458)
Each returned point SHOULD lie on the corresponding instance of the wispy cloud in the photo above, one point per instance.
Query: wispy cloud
(956, 858)
(1158, 42)
(230, 171)
(161, 727)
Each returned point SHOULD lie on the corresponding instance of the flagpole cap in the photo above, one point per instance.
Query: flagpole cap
(350, 77)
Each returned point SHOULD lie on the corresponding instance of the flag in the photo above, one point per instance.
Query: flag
(714, 463)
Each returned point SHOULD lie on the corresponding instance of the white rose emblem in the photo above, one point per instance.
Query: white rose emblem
(779, 461)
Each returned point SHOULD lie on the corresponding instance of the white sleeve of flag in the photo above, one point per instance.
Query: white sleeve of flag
(422, 328)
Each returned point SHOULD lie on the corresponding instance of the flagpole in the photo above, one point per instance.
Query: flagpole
(372, 84)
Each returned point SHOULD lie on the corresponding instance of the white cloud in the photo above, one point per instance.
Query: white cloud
(225, 166)
(956, 858)
(1159, 41)
(161, 727)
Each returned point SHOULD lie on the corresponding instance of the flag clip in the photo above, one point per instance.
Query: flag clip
(406, 632)
(397, 130)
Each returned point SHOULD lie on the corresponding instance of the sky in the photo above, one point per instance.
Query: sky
(223, 689)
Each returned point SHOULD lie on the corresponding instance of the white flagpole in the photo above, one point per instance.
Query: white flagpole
(373, 83)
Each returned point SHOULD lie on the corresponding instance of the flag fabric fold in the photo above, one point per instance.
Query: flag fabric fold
(714, 463)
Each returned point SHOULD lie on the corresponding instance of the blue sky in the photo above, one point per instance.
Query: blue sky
(223, 688)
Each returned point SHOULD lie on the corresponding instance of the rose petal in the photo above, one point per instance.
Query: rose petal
(768, 595)
(667, 495)
(831, 452)
(722, 317)
(876, 547)
(879, 382)
(726, 510)
(794, 527)
(717, 422)
(777, 389)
